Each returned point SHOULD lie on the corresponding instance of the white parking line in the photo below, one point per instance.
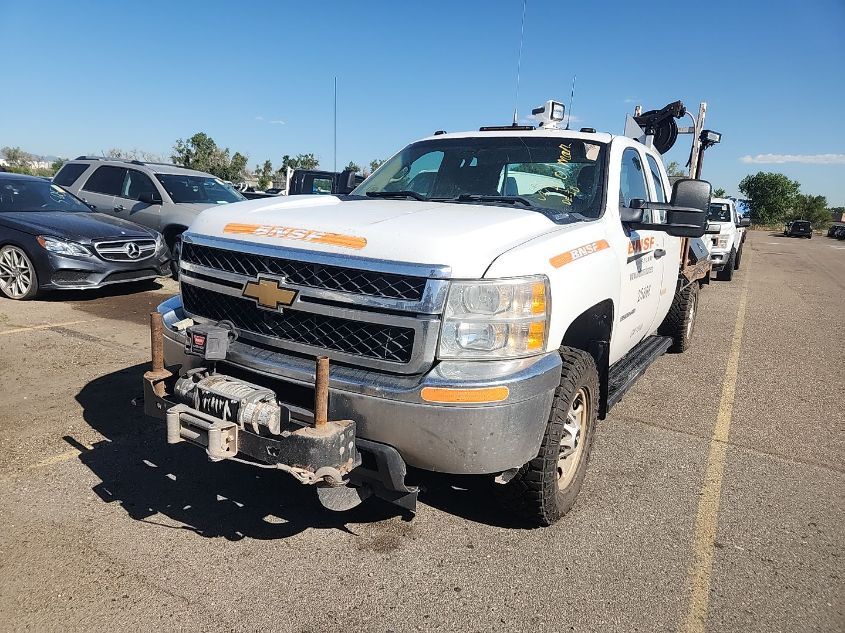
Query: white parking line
(46, 326)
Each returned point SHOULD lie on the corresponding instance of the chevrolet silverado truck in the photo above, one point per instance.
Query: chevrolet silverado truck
(728, 237)
(483, 298)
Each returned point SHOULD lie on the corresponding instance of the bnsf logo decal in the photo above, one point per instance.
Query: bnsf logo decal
(577, 253)
(640, 245)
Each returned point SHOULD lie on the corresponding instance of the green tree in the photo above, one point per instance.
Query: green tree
(352, 167)
(300, 161)
(674, 170)
(236, 171)
(719, 193)
(56, 165)
(375, 164)
(265, 174)
(200, 152)
(812, 208)
(16, 158)
(770, 196)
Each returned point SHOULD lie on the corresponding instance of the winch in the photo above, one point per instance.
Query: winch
(232, 400)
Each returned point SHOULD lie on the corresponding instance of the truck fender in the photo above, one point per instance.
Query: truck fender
(590, 332)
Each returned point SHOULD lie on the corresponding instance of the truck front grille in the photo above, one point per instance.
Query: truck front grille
(324, 276)
(370, 340)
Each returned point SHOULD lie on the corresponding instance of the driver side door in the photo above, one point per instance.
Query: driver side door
(127, 204)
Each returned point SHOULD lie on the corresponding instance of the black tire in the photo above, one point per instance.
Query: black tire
(727, 273)
(534, 493)
(33, 289)
(738, 258)
(680, 321)
(175, 255)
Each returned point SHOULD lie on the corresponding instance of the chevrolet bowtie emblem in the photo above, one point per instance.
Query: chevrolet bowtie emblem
(268, 293)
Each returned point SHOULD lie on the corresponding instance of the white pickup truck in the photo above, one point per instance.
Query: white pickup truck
(728, 236)
(484, 298)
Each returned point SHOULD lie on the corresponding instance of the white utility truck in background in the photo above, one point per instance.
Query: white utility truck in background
(728, 231)
(484, 297)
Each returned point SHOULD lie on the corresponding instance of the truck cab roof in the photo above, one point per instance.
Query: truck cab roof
(598, 137)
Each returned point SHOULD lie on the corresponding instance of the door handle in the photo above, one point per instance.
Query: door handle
(119, 207)
(658, 253)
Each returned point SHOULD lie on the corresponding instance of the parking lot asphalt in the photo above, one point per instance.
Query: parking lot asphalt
(714, 499)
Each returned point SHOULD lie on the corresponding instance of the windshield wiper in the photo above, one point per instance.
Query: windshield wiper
(473, 197)
(396, 194)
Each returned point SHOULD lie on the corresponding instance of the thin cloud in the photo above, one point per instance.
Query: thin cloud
(807, 159)
(631, 99)
(271, 121)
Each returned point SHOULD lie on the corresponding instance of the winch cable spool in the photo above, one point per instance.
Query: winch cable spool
(661, 125)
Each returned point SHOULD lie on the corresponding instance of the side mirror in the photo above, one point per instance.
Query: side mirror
(347, 181)
(687, 216)
(745, 222)
(150, 197)
(632, 214)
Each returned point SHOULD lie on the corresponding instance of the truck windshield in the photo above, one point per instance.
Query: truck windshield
(558, 174)
(203, 189)
(719, 213)
(34, 194)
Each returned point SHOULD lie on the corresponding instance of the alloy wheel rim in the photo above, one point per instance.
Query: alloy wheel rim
(15, 272)
(571, 444)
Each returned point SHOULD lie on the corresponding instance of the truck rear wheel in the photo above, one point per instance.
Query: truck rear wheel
(680, 321)
(544, 489)
(727, 273)
(738, 258)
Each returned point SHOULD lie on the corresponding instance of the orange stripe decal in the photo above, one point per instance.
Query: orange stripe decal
(293, 233)
(577, 253)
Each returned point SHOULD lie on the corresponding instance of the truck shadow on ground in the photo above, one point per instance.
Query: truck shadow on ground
(175, 486)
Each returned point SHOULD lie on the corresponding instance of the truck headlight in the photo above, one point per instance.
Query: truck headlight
(499, 318)
(61, 247)
(724, 240)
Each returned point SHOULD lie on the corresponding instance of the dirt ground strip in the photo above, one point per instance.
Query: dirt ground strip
(714, 499)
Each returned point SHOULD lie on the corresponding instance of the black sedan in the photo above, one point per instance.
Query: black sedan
(50, 239)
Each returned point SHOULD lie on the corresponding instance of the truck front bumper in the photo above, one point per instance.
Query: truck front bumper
(459, 438)
(719, 259)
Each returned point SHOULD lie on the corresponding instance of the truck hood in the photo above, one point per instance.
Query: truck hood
(466, 237)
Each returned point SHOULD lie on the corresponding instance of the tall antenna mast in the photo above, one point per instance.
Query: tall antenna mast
(519, 64)
(571, 99)
(335, 124)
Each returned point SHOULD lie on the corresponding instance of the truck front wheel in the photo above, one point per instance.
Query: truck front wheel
(680, 321)
(727, 273)
(544, 489)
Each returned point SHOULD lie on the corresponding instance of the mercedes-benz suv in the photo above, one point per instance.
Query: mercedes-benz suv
(161, 196)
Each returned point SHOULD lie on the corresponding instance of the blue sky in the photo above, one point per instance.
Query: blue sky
(87, 76)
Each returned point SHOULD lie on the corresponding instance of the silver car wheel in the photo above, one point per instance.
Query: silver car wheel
(571, 446)
(16, 272)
